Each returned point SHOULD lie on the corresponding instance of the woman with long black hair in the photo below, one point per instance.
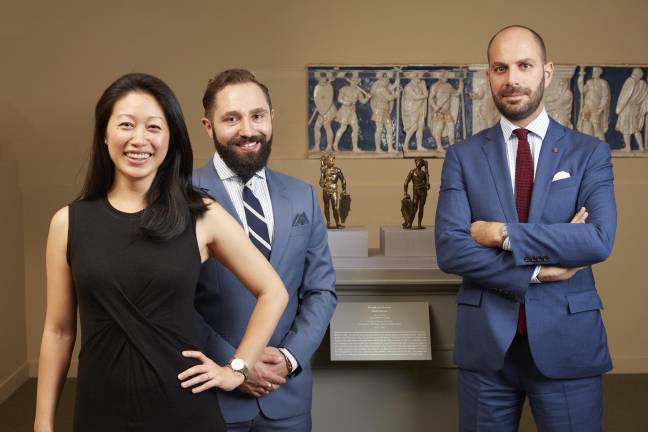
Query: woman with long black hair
(128, 252)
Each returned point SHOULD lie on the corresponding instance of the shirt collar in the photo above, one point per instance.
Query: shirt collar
(225, 172)
(538, 126)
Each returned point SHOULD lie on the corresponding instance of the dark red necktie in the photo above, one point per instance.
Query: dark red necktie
(523, 190)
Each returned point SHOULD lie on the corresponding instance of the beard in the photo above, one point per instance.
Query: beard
(521, 110)
(244, 164)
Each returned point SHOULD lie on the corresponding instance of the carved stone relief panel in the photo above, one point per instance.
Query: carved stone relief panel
(388, 111)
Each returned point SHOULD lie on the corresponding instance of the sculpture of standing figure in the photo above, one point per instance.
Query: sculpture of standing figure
(559, 103)
(413, 108)
(631, 108)
(485, 111)
(330, 175)
(383, 94)
(349, 95)
(420, 178)
(443, 110)
(325, 108)
(595, 112)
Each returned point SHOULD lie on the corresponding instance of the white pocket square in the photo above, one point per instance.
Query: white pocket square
(560, 175)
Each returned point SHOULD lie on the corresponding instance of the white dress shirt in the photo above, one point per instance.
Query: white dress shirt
(234, 187)
(259, 186)
(537, 131)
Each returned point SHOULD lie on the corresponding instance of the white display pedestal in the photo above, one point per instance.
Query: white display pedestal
(395, 241)
(349, 241)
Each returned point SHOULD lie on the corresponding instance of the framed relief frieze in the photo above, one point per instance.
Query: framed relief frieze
(353, 110)
(393, 111)
(611, 103)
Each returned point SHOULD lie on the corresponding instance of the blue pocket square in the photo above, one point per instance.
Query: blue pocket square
(300, 219)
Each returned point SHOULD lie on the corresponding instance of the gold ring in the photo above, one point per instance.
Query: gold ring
(269, 387)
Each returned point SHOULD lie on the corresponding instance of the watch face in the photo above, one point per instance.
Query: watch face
(237, 364)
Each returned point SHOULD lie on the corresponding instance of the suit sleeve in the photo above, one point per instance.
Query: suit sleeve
(458, 252)
(575, 245)
(317, 298)
(213, 345)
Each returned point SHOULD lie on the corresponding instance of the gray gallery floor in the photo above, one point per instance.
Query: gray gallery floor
(625, 398)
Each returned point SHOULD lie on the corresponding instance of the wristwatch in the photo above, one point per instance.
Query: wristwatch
(289, 365)
(238, 365)
(504, 232)
(506, 243)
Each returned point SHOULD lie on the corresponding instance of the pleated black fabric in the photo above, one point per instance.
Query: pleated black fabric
(136, 309)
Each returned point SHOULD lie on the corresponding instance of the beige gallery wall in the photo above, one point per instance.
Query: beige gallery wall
(59, 56)
(13, 338)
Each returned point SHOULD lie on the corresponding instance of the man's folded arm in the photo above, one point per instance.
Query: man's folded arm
(459, 253)
(574, 245)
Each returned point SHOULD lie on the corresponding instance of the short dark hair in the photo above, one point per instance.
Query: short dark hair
(536, 36)
(229, 77)
(171, 200)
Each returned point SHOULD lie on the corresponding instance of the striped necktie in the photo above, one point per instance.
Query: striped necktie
(256, 222)
(523, 191)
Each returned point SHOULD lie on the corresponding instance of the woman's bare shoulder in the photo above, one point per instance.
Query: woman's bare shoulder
(58, 230)
(61, 219)
(213, 208)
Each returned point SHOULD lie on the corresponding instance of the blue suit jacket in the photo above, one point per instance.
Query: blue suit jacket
(301, 257)
(565, 330)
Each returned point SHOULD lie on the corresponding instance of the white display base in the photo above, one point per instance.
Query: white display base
(349, 242)
(395, 241)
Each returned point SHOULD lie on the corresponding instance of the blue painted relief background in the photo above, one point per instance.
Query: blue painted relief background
(471, 102)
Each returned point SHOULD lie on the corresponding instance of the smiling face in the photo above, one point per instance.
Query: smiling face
(241, 127)
(518, 75)
(137, 137)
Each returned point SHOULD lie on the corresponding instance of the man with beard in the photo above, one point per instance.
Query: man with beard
(282, 217)
(528, 313)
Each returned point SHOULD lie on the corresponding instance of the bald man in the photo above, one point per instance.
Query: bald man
(525, 209)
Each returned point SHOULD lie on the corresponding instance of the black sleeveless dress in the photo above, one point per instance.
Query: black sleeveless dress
(135, 299)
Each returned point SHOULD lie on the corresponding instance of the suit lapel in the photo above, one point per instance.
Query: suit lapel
(495, 150)
(550, 154)
(281, 210)
(215, 187)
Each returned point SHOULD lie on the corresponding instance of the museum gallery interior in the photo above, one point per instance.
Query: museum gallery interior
(370, 100)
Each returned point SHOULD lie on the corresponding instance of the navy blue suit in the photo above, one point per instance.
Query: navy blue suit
(301, 257)
(566, 336)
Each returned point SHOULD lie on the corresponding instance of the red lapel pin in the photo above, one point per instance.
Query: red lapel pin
(555, 149)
